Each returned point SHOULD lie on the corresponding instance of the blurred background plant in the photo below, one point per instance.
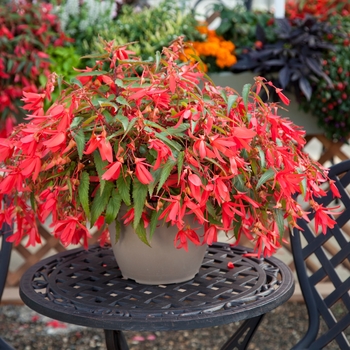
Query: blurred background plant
(332, 105)
(240, 26)
(215, 52)
(84, 20)
(26, 31)
(320, 8)
(294, 60)
(150, 28)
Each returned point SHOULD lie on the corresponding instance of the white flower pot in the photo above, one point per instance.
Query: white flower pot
(161, 263)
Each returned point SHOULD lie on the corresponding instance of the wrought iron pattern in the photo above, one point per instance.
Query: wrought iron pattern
(331, 265)
(82, 286)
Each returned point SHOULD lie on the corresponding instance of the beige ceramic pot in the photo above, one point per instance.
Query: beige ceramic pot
(161, 263)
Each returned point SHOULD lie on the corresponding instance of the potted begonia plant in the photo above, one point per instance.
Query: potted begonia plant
(159, 142)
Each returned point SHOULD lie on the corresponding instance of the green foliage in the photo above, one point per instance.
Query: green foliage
(151, 28)
(84, 20)
(63, 60)
(239, 26)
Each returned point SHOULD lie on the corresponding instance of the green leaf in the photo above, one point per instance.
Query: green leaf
(223, 95)
(280, 222)
(210, 208)
(92, 73)
(262, 157)
(269, 174)
(123, 120)
(303, 182)
(156, 176)
(238, 182)
(83, 192)
(171, 143)
(79, 138)
(100, 168)
(113, 207)
(121, 100)
(100, 201)
(117, 230)
(245, 94)
(123, 185)
(76, 82)
(130, 125)
(75, 122)
(119, 82)
(141, 232)
(231, 100)
(153, 222)
(180, 162)
(166, 170)
(157, 60)
(139, 194)
(177, 131)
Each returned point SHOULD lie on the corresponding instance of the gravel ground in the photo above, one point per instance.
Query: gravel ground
(25, 329)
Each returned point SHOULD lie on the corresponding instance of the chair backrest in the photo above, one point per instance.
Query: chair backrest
(5, 255)
(325, 258)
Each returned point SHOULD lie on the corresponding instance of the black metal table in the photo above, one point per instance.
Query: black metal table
(85, 287)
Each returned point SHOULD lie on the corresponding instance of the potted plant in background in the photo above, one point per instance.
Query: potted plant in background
(292, 52)
(140, 143)
(25, 34)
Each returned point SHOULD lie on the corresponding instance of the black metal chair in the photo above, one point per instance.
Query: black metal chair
(328, 260)
(5, 254)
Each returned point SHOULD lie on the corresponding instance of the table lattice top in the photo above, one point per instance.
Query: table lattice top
(86, 287)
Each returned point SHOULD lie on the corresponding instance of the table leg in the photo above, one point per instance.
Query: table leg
(240, 340)
(115, 340)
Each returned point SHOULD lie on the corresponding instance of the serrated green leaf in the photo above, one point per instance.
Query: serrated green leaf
(139, 194)
(83, 192)
(92, 73)
(117, 230)
(210, 208)
(123, 185)
(113, 207)
(280, 222)
(157, 60)
(75, 122)
(130, 125)
(153, 222)
(141, 232)
(100, 201)
(171, 143)
(76, 82)
(166, 170)
(123, 120)
(223, 95)
(156, 176)
(245, 94)
(32, 201)
(231, 100)
(121, 100)
(79, 138)
(119, 82)
(108, 116)
(100, 166)
(269, 174)
(239, 184)
(177, 131)
(262, 157)
(180, 162)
